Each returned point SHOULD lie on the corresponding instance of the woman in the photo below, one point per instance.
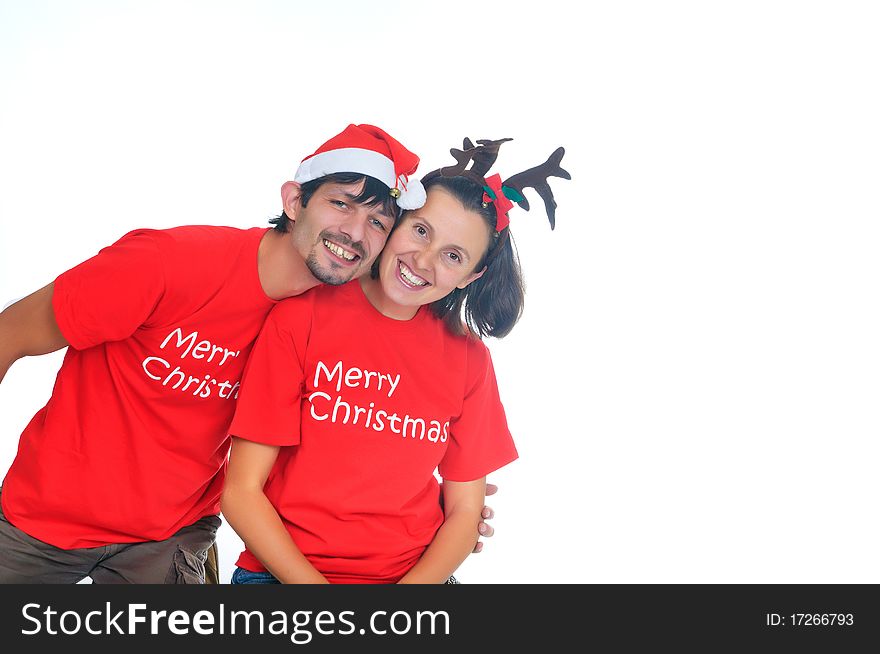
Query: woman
(379, 382)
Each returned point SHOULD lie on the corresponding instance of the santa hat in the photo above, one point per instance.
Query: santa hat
(367, 150)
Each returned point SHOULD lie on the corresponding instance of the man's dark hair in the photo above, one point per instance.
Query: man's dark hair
(374, 194)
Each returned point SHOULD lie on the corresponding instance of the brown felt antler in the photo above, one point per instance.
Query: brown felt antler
(536, 178)
(484, 155)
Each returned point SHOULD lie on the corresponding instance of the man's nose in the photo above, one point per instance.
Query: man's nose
(355, 225)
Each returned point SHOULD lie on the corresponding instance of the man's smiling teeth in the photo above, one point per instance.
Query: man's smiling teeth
(339, 252)
(410, 277)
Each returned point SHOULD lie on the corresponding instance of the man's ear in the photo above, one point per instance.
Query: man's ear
(472, 278)
(290, 194)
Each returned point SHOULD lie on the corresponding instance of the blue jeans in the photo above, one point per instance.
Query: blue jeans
(242, 576)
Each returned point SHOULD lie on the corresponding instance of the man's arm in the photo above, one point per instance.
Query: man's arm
(28, 328)
(486, 530)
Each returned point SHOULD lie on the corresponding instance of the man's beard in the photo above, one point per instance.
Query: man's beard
(333, 273)
(326, 273)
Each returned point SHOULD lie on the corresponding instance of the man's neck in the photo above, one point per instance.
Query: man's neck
(282, 271)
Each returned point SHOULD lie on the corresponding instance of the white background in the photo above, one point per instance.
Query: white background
(694, 385)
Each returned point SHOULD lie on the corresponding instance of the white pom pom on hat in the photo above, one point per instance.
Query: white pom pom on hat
(414, 196)
(368, 150)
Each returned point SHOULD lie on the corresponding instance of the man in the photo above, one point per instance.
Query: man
(119, 476)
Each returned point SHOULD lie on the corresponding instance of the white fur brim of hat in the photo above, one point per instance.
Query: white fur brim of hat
(364, 162)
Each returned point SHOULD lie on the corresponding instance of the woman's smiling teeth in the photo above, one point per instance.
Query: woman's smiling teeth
(339, 251)
(409, 276)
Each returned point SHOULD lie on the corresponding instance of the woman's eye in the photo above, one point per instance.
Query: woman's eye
(421, 231)
(337, 203)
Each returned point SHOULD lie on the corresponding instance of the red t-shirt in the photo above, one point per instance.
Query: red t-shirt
(133, 442)
(373, 406)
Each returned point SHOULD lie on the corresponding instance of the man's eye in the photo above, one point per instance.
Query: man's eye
(338, 203)
(378, 224)
(454, 257)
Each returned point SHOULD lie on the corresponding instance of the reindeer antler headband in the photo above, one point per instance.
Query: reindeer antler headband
(503, 194)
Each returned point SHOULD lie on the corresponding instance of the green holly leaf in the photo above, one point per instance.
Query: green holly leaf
(512, 194)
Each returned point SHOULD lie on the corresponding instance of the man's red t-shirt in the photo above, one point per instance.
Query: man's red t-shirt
(371, 407)
(132, 445)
